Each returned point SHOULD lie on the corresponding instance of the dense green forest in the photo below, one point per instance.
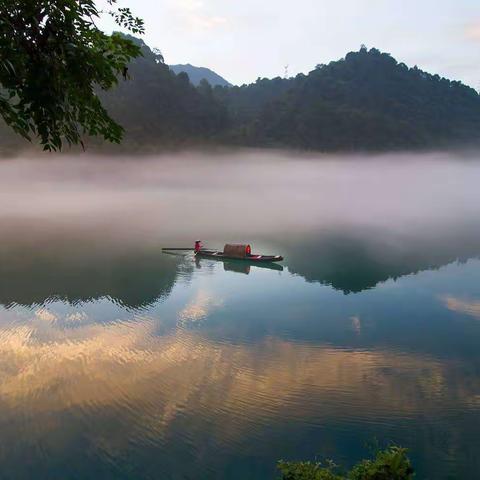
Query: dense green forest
(159, 109)
(366, 101)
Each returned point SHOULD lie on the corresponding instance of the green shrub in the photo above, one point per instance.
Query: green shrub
(389, 464)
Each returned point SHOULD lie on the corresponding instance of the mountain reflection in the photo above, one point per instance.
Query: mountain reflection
(356, 260)
(76, 272)
(137, 276)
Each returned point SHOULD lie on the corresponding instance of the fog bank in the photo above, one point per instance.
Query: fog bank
(233, 196)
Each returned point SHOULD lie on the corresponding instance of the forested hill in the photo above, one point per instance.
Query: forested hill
(366, 101)
(159, 108)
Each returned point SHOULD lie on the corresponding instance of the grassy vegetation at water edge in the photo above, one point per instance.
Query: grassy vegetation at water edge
(389, 464)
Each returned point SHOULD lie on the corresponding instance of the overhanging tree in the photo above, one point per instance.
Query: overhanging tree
(53, 59)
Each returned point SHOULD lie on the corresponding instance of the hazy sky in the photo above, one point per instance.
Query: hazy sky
(245, 39)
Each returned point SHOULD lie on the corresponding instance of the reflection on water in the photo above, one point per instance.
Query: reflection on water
(357, 260)
(136, 277)
(119, 361)
(75, 272)
(466, 306)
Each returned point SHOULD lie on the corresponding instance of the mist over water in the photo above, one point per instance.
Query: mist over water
(250, 191)
(120, 361)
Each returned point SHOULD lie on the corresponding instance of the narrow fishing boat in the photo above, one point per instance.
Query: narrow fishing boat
(235, 252)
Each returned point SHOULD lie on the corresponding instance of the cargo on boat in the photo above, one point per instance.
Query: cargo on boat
(235, 252)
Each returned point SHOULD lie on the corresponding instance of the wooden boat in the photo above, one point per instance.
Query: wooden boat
(238, 252)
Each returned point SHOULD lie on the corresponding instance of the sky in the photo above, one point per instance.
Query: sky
(246, 39)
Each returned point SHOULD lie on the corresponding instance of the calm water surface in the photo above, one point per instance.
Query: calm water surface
(120, 362)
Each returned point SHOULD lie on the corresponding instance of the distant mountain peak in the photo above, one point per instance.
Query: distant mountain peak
(197, 74)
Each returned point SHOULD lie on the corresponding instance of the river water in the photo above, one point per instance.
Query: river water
(118, 361)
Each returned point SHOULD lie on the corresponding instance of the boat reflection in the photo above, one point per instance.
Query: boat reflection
(238, 266)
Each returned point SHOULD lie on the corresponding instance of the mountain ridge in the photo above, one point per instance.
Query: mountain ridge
(366, 101)
(197, 74)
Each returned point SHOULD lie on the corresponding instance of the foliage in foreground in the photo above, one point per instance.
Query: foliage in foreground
(53, 57)
(389, 464)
